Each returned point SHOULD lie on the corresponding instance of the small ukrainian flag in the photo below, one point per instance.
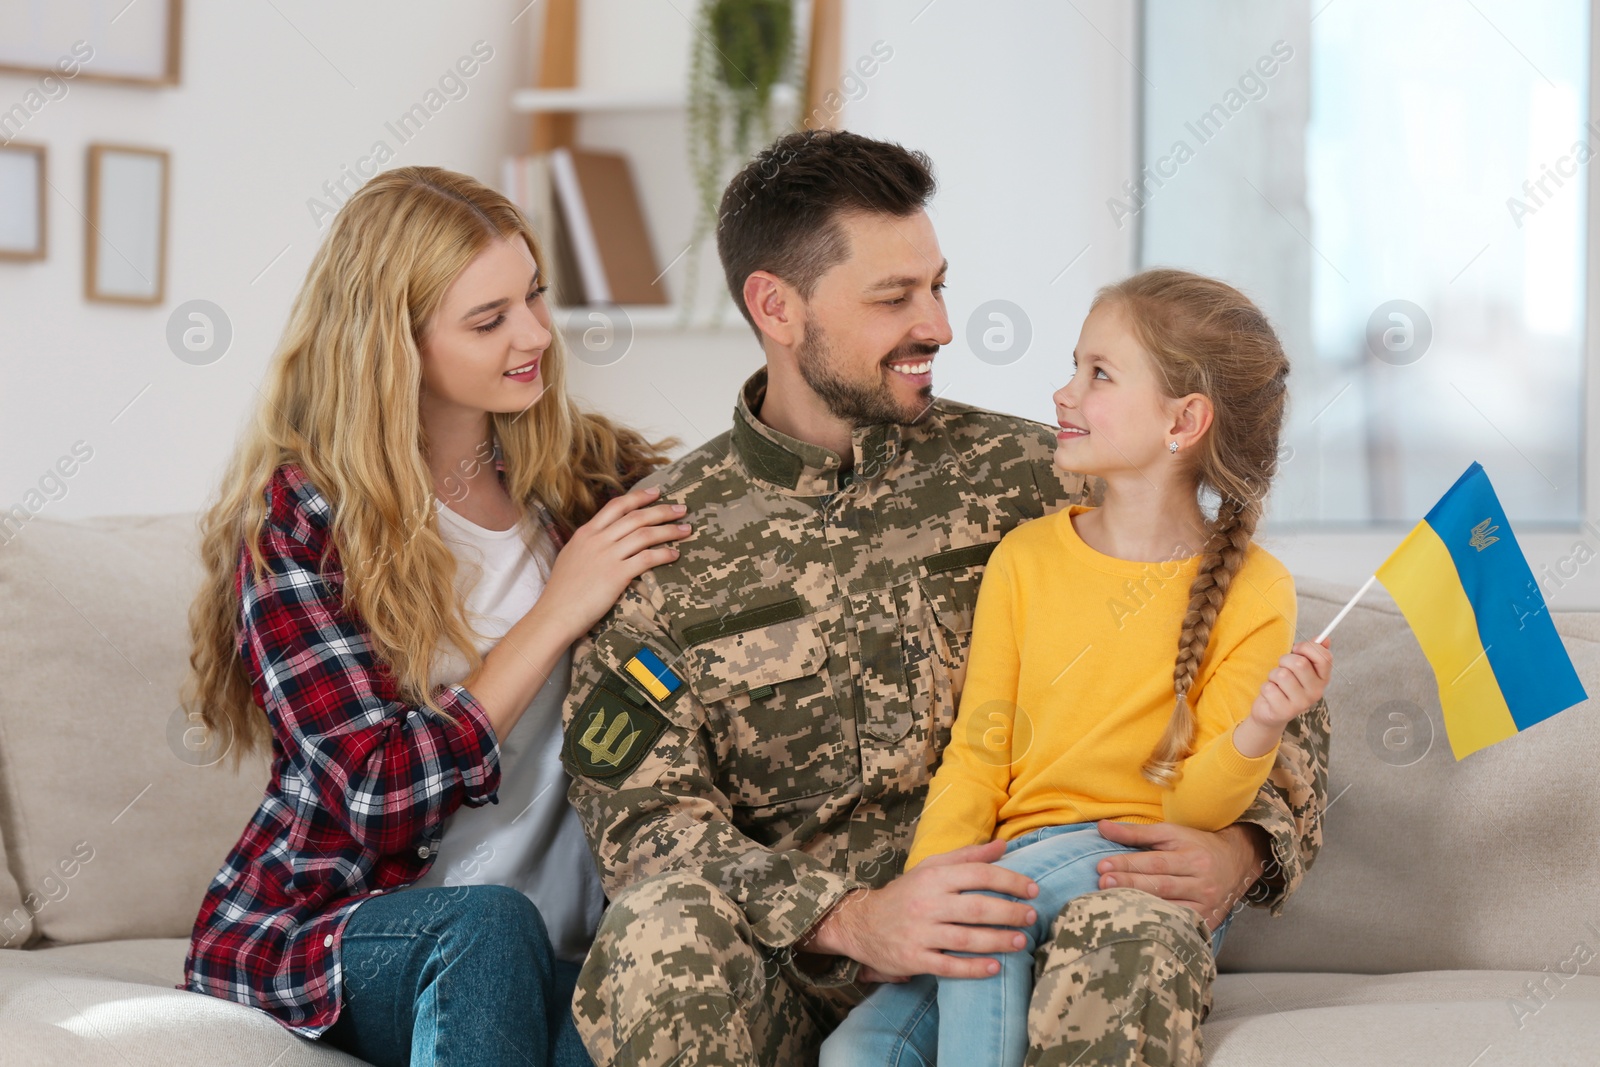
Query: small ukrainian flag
(1467, 592)
(656, 677)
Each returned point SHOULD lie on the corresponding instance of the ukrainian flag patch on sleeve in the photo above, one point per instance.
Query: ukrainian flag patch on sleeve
(653, 676)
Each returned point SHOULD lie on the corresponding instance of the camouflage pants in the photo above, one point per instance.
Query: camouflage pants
(1125, 980)
(676, 977)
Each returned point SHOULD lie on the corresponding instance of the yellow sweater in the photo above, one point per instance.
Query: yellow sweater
(1069, 687)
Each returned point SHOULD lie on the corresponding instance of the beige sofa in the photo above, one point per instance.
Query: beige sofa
(1443, 889)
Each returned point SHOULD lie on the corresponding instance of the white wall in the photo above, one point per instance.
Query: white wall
(1028, 110)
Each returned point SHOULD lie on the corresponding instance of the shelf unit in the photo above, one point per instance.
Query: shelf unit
(540, 101)
(647, 317)
(580, 101)
(555, 105)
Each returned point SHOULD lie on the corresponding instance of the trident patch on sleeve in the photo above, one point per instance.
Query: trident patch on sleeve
(611, 733)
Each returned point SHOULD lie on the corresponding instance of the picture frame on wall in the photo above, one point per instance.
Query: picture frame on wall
(126, 255)
(103, 40)
(23, 228)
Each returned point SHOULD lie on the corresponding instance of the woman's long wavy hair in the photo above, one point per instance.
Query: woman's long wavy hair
(1204, 336)
(342, 400)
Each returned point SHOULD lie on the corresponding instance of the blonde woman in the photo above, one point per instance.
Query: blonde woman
(386, 612)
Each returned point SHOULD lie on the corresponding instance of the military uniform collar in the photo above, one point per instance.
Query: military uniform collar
(797, 467)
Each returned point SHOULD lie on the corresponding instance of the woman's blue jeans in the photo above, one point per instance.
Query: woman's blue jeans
(979, 1022)
(455, 976)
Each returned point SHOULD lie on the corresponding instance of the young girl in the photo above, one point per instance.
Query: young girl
(400, 656)
(1074, 709)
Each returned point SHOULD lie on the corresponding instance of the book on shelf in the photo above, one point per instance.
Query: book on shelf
(526, 181)
(585, 208)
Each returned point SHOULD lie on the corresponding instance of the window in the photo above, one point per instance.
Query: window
(1403, 189)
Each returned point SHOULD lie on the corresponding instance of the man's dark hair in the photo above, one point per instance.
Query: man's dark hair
(781, 213)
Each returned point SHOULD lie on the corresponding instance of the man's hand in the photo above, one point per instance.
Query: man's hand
(912, 924)
(1209, 872)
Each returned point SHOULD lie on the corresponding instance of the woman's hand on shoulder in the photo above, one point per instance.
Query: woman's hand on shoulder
(628, 535)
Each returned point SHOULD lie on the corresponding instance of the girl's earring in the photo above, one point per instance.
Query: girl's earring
(1172, 446)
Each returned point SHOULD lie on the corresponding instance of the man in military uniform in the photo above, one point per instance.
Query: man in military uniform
(752, 729)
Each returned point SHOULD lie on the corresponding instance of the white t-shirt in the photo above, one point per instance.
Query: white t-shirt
(532, 839)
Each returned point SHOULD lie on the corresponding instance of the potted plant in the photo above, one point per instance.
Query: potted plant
(742, 50)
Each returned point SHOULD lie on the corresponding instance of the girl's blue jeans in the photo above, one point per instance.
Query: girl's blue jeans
(979, 1022)
(455, 976)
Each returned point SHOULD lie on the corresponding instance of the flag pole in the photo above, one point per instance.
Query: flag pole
(1346, 609)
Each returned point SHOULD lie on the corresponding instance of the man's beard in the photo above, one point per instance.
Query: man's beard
(859, 403)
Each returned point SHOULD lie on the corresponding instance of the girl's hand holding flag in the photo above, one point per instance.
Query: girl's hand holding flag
(1292, 688)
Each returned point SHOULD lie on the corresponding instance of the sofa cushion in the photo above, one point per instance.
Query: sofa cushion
(101, 803)
(152, 961)
(16, 915)
(1427, 863)
(113, 1004)
(1449, 1018)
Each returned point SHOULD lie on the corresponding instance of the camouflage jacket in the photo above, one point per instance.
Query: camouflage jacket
(768, 709)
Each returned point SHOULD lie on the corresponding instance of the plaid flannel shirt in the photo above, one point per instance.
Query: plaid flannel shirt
(360, 786)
